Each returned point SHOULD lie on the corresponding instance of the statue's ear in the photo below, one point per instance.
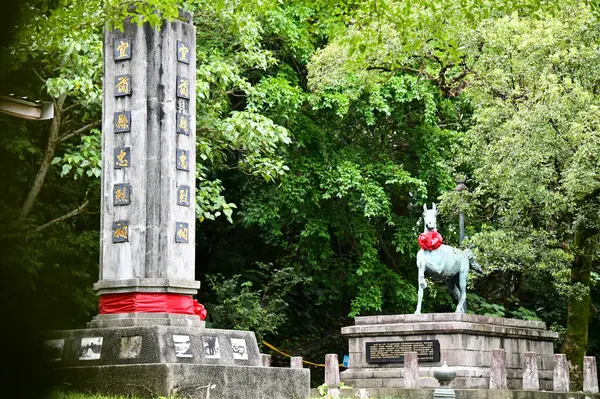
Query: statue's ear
(433, 207)
(424, 207)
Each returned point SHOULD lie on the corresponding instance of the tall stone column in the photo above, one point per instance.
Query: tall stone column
(147, 261)
(147, 337)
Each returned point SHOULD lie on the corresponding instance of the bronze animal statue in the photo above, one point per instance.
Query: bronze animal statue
(445, 263)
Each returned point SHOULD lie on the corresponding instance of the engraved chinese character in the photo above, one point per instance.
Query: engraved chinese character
(122, 49)
(183, 195)
(182, 232)
(183, 52)
(183, 124)
(183, 160)
(183, 87)
(121, 194)
(120, 231)
(122, 157)
(122, 85)
(121, 122)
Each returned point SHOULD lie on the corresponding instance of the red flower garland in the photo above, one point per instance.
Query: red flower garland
(430, 240)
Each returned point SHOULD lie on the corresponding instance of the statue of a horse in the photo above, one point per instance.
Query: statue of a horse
(445, 263)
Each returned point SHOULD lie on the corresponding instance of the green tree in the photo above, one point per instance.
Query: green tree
(532, 150)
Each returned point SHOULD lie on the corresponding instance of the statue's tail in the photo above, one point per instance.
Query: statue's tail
(473, 265)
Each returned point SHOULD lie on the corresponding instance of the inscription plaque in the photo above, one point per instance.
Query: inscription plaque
(428, 351)
(122, 85)
(122, 157)
(183, 52)
(182, 233)
(122, 122)
(120, 231)
(183, 124)
(183, 87)
(121, 194)
(183, 160)
(183, 195)
(122, 49)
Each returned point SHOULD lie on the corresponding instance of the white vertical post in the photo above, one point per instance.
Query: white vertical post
(332, 370)
(498, 369)
(561, 373)
(411, 370)
(531, 380)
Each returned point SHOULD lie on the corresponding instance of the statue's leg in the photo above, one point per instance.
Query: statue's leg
(462, 285)
(452, 286)
(420, 299)
(422, 286)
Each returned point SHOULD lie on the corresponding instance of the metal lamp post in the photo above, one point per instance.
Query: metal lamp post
(461, 186)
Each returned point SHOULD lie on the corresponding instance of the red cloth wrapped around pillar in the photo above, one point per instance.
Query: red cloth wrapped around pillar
(430, 240)
(200, 310)
(146, 302)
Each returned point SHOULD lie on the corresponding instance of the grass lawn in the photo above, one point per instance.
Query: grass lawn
(76, 395)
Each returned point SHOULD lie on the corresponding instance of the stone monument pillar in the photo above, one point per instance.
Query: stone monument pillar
(147, 260)
(147, 339)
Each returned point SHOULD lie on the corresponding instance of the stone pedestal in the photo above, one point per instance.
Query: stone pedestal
(167, 360)
(465, 343)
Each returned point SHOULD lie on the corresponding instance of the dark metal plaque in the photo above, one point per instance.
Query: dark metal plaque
(183, 52)
(120, 231)
(122, 85)
(122, 157)
(183, 195)
(183, 87)
(183, 123)
(121, 194)
(122, 122)
(428, 351)
(183, 160)
(182, 234)
(122, 49)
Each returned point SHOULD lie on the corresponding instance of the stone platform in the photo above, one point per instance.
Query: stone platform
(465, 343)
(166, 360)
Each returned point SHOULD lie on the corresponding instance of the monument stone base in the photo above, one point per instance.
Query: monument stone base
(464, 341)
(163, 360)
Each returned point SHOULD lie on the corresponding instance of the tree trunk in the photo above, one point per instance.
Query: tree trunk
(53, 141)
(576, 342)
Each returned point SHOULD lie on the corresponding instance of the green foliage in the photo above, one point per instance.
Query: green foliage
(241, 306)
(84, 159)
(530, 152)
(324, 389)
(478, 305)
